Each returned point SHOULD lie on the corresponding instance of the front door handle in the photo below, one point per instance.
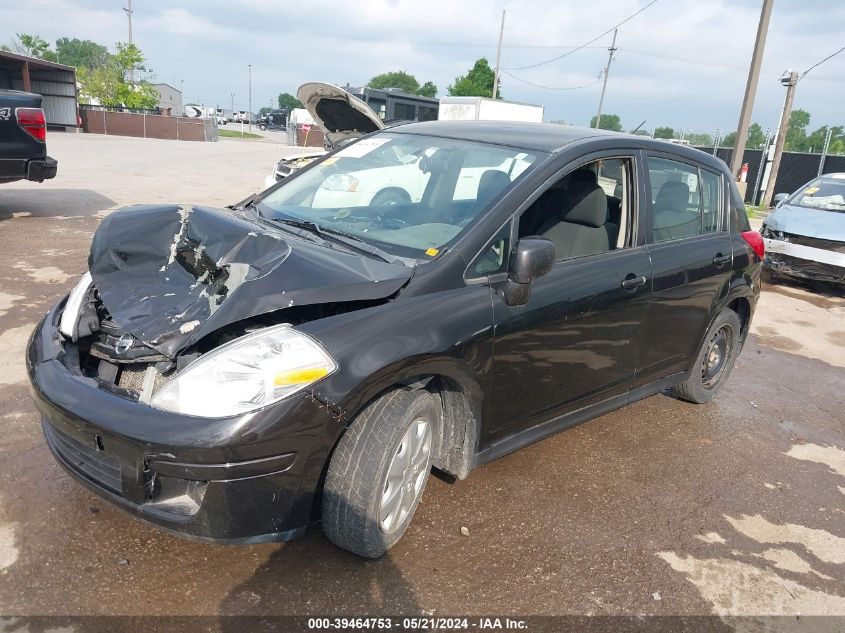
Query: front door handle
(630, 282)
(720, 260)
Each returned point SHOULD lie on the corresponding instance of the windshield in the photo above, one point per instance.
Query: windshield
(408, 195)
(827, 194)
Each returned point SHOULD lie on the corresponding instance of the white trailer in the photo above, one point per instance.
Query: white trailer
(483, 109)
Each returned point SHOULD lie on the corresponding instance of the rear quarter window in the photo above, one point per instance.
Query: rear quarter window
(739, 218)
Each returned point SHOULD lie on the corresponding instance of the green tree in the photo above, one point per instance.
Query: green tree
(81, 53)
(729, 140)
(31, 46)
(816, 140)
(108, 83)
(700, 139)
(405, 81)
(610, 122)
(796, 133)
(428, 89)
(756, 137)
(478, 82)
(664, 132)
(264, 111)
(288, 101)
(395, 79)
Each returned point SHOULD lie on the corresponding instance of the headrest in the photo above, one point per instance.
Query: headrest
(587, 204)
(492, 183)
(584, 175)
(673, 196)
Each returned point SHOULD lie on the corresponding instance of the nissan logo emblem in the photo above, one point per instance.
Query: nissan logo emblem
(123, 345)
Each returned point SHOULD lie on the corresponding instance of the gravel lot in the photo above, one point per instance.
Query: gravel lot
(664, 507)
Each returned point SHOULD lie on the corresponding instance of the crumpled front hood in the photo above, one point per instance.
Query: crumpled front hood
(826, 225)
(171, 274)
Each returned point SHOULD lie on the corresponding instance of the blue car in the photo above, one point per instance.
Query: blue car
(805, 234)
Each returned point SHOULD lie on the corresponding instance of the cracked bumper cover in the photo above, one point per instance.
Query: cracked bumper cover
(245, 479)
(804, 261)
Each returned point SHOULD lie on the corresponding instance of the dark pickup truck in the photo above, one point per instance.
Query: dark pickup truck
(23, 133)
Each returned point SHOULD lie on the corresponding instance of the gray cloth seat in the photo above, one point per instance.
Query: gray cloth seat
(582, 230)
(673, 219)
(552, 205)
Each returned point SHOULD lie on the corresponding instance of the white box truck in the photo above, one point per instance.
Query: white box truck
(483, 109)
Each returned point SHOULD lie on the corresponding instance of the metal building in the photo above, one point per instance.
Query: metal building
(56, 83)
(169, 99)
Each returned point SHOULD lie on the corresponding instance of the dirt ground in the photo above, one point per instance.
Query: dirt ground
(732, 508)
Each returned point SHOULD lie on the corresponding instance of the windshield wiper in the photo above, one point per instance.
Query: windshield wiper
(303, 229)
(344, 238)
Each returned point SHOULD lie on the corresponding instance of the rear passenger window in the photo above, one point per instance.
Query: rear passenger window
(675, 199)
(685, 201)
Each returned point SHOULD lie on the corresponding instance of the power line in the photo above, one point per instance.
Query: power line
(597, 81)
(578, 48)
(822, 61)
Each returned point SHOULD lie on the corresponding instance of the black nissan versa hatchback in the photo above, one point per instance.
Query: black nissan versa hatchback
(232, 374)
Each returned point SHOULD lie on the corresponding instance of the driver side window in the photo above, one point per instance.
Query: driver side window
(586, 212)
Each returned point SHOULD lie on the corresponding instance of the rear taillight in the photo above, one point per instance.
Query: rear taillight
(755, 241)
(33, 122)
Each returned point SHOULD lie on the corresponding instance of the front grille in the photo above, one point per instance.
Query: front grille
(815, 242)
(94, 464)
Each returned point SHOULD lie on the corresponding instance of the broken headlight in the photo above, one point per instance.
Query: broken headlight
(73, 307)
(249, 373)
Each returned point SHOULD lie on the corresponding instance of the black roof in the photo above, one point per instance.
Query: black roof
(544, 137)
(547, 137)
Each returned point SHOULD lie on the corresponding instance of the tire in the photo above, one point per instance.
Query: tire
(711, 371)
(389, 197)
(356, 497)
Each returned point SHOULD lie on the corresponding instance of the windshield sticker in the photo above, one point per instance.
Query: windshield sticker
(811, 190)
(331, 160)
(432, 252)
(362, 148)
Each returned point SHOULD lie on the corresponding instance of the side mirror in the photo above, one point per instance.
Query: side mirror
(533, 258)
(780, 198)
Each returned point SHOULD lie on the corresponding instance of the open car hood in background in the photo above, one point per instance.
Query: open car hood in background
(817, 223)
(171, 274)
(341, 115)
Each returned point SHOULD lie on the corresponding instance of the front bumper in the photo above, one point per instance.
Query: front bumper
(805, 262)
(251, 478)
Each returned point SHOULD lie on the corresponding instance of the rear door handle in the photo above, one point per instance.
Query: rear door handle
(720, 260)
(630, 282)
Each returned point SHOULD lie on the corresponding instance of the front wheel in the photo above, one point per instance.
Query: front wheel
(378, 472)
(715, 360)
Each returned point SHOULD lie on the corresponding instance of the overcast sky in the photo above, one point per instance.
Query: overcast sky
(681, 63)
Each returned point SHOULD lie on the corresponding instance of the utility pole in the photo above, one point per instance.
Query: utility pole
(250, 99)
(751, 88)
(825, 150)
(612, 50)
(498, 57)
(232, 103)
(129, 15)
(790, 81)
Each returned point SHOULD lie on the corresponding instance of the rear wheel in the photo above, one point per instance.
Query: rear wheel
(715, 359)
(378, 472)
